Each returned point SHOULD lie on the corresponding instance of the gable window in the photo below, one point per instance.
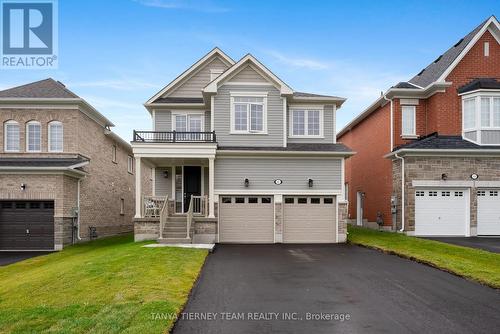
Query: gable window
(33, 136)
(113, 153)
(130, 164)
(11, 139)
(248, 114)
(408, 114)
(306, 122)
(55, 136)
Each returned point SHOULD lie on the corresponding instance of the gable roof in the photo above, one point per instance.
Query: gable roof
(47, 88)
(439, 67)
(431, 79)
(248, 59)
(214, 52)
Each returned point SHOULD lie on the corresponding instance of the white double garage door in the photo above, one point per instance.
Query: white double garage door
(446, 212)
(251, 219)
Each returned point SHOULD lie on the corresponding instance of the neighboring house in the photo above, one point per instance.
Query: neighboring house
(438, 135)
(240, 157)
(63, 171)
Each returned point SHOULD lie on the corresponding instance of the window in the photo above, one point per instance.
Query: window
(306, 123)
(469, 108)
(433, 193)
(113, 153)
(56, 137)
(420, 193)
(481, 193)
(494, 193)
(315, 200)
(496, 112)
(188, 123)
(248, 114)
(459, 193)
(239, 200)
(445, 193)
(485, 112)
(122, 206)
(289, 200)
(346, 191)
(33, 136)
(214, 73)
(265, 200)
(226, 200)
(328, 200)
(253, 200)
(408, 114)
(11, 138)
(302, 200)
(130, 164)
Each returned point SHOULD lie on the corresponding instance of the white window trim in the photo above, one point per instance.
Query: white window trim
(5, 136)
(414, 133)
(264, 113)
(306, 123)
(130, 164)
(49, 137)
(476, 96)
(28, 137)
(187, 114)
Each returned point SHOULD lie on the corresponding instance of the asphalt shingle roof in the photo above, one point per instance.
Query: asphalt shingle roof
(48, 88)
(303, 94)
(433, 71)
(41, 162)
(338, 147)
(179, 100)
(480, 83)
(439, 142)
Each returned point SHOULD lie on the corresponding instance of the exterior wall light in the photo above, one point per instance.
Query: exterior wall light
(165, 174)
(310, 183)
(474, 176)
(247, 183)
(23, 186)
(444, 176)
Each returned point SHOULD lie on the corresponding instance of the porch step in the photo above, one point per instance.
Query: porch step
(177, 219)
(175, 235)
(174, 240)
(168, 229)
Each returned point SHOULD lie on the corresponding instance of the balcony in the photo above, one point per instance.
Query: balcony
(174, 137)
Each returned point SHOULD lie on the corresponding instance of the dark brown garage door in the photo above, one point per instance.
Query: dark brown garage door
(26, 225)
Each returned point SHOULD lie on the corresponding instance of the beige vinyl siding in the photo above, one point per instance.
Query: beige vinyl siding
(163, 186)
(222, 106)
(163, 120)
(207, 121)
(328, 128)
(192, 87)
(247, 74)
(205, 180)
(309, 223)
(230, 173)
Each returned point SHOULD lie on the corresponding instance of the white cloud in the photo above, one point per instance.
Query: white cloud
(200, 5)
(312, 64)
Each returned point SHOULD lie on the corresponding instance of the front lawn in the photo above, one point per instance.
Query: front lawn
(471, 263)
(106, 286)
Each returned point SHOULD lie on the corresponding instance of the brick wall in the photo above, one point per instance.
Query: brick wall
(367, 171)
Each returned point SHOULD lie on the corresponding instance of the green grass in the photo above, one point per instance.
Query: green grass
(111, 285)
(474, 264)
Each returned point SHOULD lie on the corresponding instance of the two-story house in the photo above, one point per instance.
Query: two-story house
(64, 175)
(428, 150)
(240, 157)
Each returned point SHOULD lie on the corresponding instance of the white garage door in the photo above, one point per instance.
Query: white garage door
(441, 212)
(309, 219)
(246, 219)
(488, 212)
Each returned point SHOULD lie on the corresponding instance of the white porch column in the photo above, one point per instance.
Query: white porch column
(211, 206)
(138, 189)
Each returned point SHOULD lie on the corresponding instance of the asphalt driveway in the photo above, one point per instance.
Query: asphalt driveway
(490, 244)
(13, 257)
(315, 289)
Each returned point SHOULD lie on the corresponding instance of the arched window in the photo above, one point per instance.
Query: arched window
(33, 136)
(55, 136)
(11, 139)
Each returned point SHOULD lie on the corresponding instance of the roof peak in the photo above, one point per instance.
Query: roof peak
(45, 88)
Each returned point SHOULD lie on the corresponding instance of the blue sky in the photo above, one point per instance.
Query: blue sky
(117, 54)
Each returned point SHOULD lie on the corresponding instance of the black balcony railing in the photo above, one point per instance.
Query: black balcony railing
(174, 137)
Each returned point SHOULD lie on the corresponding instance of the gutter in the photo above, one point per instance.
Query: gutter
(430, 152)
(402, 192)
(392, 122)
(78, 208)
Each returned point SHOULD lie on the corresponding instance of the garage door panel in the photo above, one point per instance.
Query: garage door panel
(26, 225)
(440, 212)
(246, 222)
(488, 212)
(310, 222)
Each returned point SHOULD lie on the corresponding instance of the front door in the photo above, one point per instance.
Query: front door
(192, 184)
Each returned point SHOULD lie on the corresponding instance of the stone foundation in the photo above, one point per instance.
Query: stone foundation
(342, 221)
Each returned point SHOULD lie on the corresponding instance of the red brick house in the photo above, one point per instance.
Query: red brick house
(428, 150)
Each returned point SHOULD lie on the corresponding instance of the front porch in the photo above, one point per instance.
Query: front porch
(175, 203)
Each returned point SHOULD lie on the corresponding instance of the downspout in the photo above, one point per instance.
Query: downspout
(78, 208)
(392, 122)
(402, 192)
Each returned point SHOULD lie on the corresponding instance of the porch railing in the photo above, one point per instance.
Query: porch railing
(174, 137)
(152, 205)
(163, 216)
(200, 204)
